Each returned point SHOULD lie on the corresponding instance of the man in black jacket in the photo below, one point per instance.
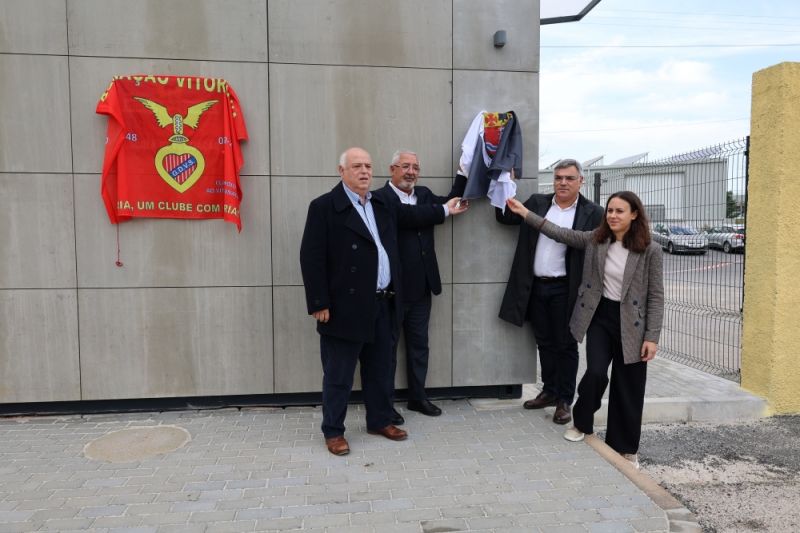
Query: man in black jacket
(350, 265)
(543, 284)
(420, 274)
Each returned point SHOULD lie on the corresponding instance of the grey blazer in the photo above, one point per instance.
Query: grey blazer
(641, 309)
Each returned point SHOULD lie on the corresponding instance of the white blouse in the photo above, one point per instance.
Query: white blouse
(615, 269)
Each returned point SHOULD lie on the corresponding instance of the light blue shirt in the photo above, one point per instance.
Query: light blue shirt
(368, 216)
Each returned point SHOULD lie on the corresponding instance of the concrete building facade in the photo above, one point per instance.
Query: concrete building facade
(198, 309)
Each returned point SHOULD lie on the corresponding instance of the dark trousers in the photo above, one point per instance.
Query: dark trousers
(558, 352)
(339, 359)
(626, 398)
(415, 322)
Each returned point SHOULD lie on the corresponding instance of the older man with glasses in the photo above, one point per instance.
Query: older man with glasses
(420, 271)
(544, 282)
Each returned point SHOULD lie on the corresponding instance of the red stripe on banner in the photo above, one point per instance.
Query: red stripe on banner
(170, 162)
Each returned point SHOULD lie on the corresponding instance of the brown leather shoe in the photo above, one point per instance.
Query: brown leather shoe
(563, 413)
(337, 445)
(390, 432)
(541, 401)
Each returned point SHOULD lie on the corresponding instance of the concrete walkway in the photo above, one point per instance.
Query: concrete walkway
(482, 466)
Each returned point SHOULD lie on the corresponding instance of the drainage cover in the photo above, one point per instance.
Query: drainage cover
(135, 444)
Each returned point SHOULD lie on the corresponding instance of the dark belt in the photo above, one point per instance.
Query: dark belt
(547, 279)
(384, 294)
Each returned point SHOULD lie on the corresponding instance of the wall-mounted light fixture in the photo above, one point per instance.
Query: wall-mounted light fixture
(499, 38)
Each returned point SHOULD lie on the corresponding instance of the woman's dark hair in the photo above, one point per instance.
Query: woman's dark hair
(637, 238)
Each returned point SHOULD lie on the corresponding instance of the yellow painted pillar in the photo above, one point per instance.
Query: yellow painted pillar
(771, 335)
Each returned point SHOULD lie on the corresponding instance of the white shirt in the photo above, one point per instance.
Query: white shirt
(367, 214)
(405, 198)
(614, 271)
(549, 261)
(411, 198)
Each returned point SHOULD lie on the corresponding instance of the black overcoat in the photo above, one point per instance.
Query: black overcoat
(514, 308)
(339, 260)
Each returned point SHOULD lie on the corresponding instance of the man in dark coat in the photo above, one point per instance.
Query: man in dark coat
(351, 273)
(420, 273)
(543, 284)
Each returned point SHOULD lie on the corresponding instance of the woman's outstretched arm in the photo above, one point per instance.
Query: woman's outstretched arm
(570, 237)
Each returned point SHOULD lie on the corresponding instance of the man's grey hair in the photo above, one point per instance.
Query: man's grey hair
(343, 159)
(565, 163)
(398, 153)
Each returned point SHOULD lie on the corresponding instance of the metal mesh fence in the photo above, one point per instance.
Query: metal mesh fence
(696, 203)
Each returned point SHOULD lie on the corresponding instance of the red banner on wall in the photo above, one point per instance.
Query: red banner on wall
(172, 148)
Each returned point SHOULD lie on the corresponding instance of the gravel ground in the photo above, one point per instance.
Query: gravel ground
(735, 477)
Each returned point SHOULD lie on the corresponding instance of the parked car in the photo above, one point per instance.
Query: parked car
(676, 238)
(727, 238)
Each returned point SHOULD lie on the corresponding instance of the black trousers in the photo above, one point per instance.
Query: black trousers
(339, 359)
(626, 397)
(558, 352)
(415, 322)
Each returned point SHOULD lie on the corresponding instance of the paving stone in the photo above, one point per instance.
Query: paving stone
(231, 527)
(611, 527)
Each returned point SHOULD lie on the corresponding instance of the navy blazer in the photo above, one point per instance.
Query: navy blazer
(339, 260)
(417, 248)
(514, 308)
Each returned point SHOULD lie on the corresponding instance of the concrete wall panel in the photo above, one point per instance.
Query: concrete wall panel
(37, 232)
(474, 25)
(39, 346)
(487, 350)
(149, 343)
(180, 29)
(291, 196)
(159, 252)
(358, 32)
(297, 358)
(89, 77)
(38, 27)
(510, 91)
(34, 115)
(319, 111)
(482, 247)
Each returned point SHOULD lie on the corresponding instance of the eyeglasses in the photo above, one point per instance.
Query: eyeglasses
(566, 178)
(408, 166)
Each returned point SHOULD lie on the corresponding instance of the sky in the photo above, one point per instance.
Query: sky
(664, 78)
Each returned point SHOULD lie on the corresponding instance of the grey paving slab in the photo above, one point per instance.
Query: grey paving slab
(471, 469)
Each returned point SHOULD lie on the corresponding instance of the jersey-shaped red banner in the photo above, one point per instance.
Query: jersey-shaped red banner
(172, 148)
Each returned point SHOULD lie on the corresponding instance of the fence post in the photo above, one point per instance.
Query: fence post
(597, 183)
(771, 338)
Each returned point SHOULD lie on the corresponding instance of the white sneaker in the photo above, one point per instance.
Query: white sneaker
(574, 435)
(633, 458)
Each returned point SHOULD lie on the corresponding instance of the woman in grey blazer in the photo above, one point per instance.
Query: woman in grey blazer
(620, 309)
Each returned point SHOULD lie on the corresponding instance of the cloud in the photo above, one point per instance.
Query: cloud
(685, 72)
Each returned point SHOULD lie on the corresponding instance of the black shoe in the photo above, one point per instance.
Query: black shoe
(397, 418)
(541, 401)
(562, 414)
(425, 407)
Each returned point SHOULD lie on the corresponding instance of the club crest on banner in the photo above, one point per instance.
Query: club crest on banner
(179, 164)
